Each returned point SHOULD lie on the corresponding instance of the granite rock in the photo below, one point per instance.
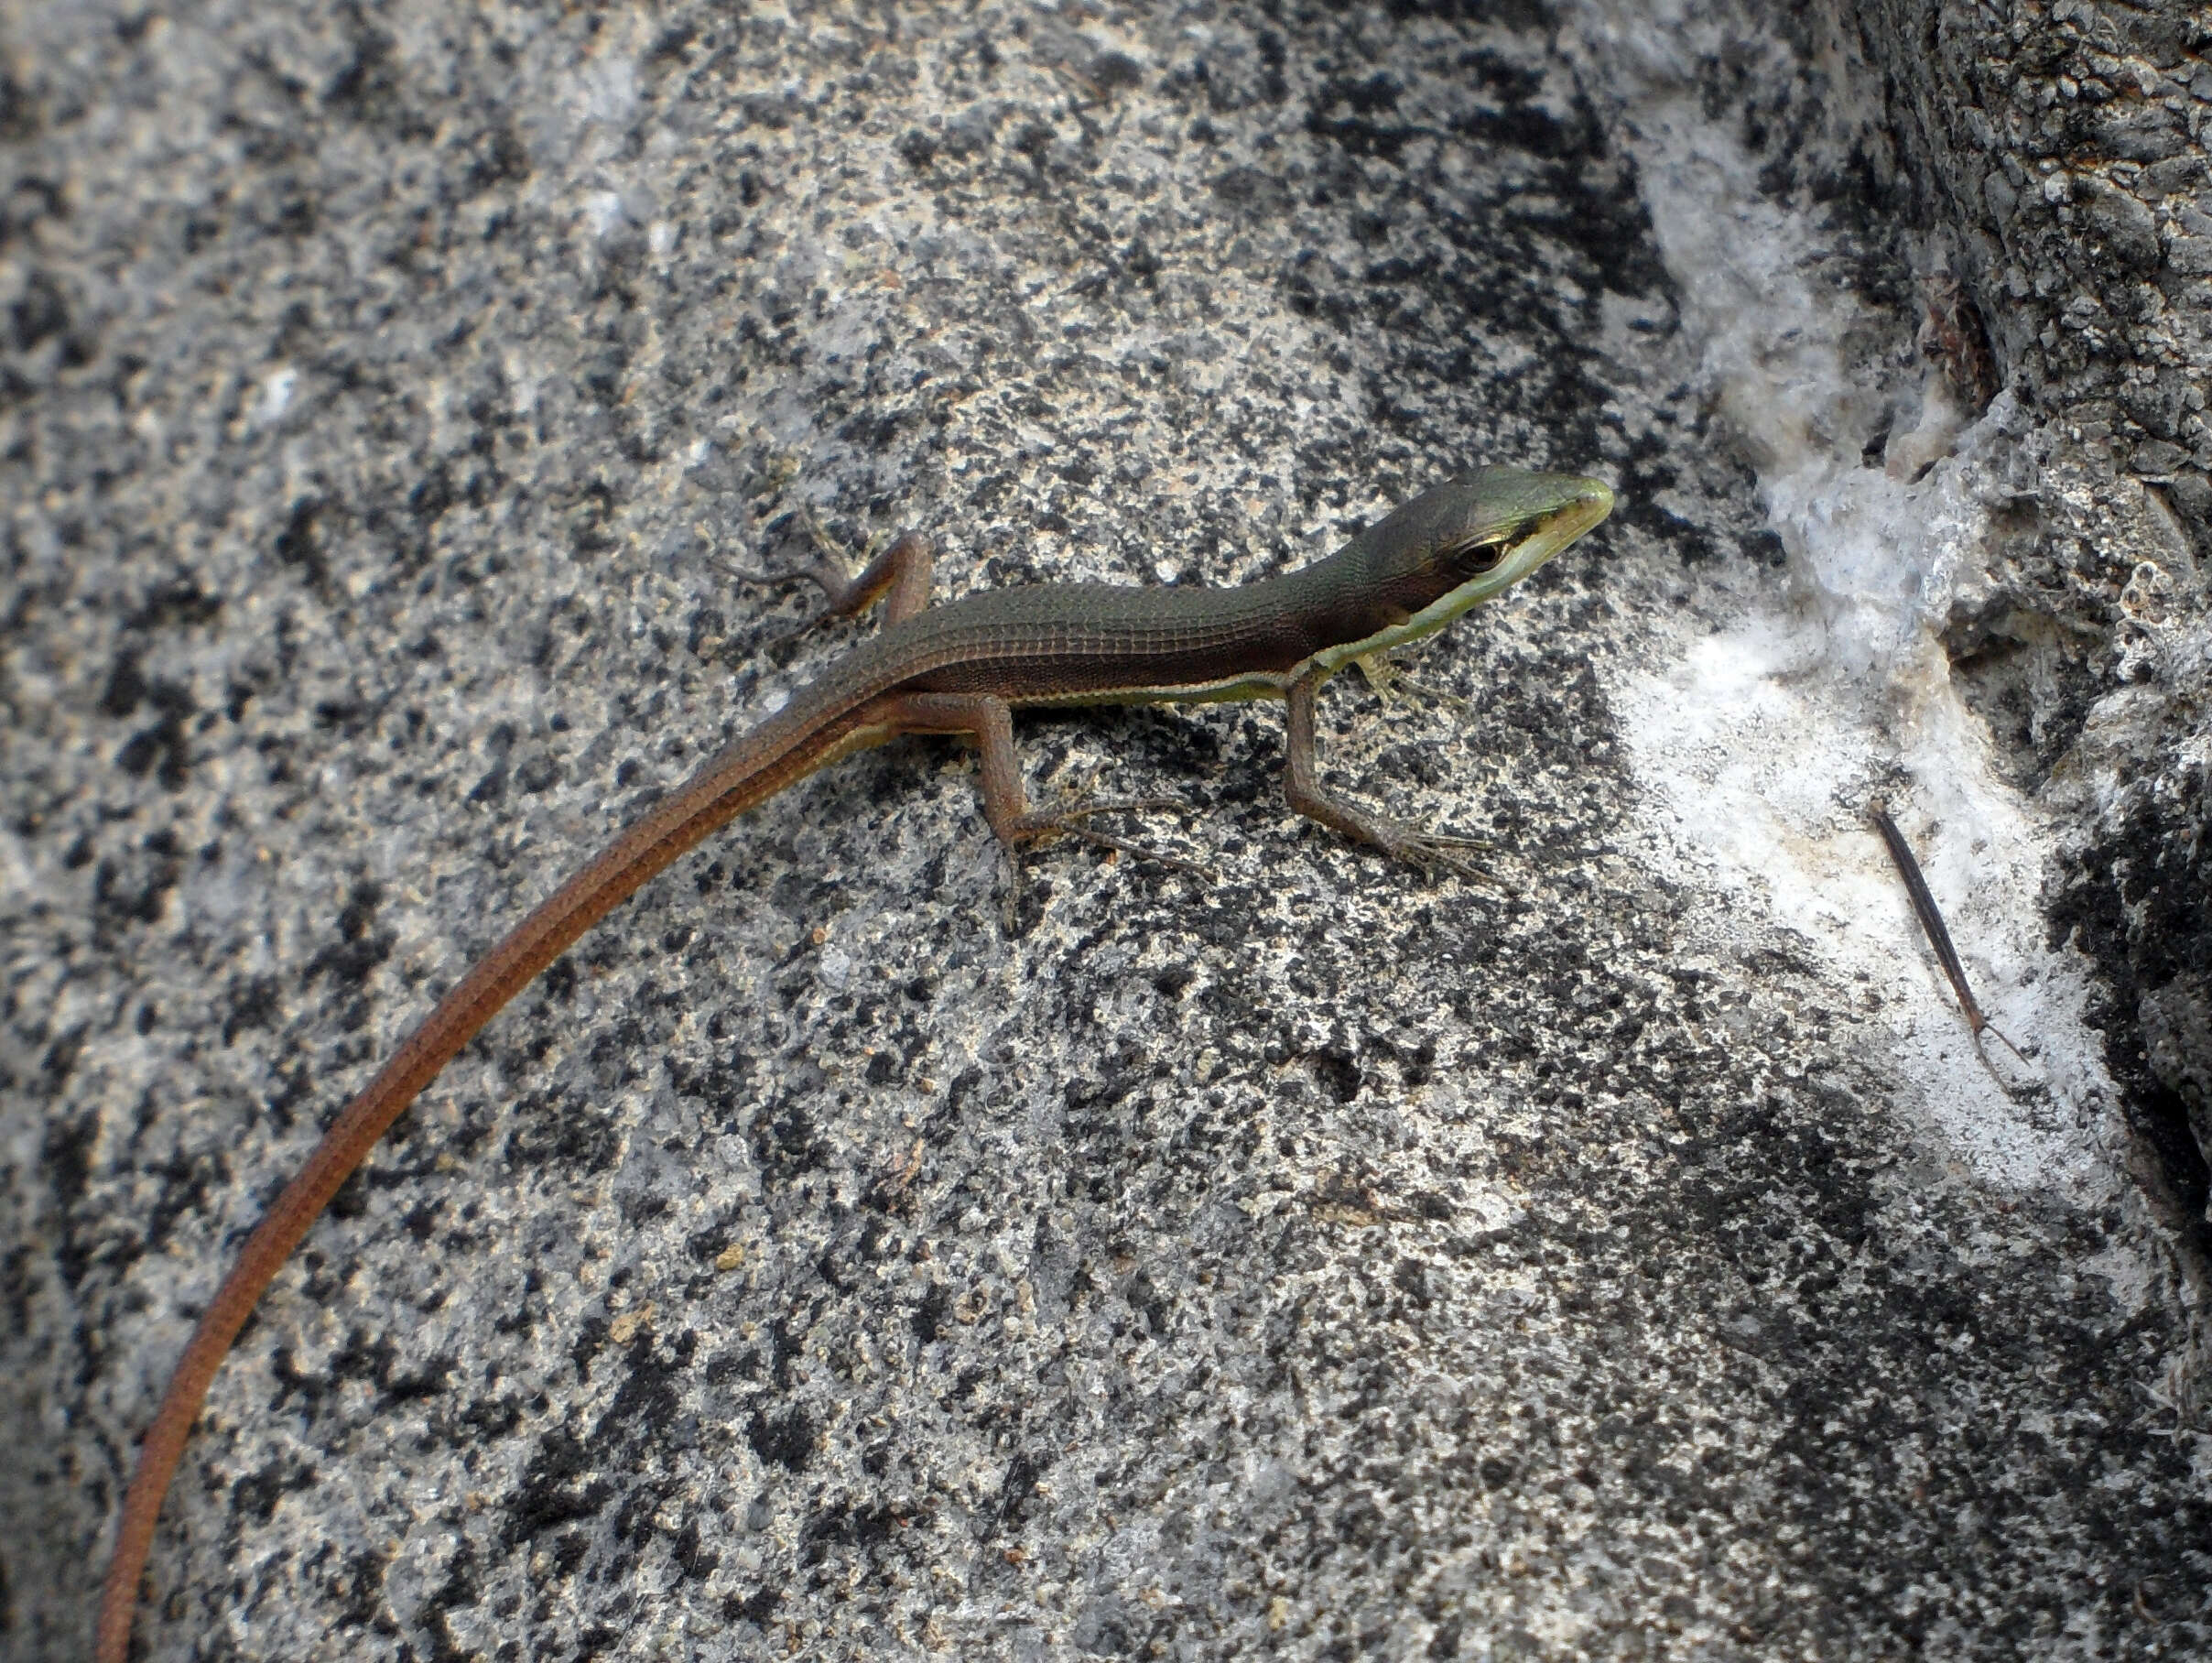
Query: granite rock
(1624, 1256)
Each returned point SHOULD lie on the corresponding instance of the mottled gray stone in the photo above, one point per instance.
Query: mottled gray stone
(1320, 1261)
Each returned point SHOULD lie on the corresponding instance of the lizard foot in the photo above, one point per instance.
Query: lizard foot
(1430, 851)
(1070, 822)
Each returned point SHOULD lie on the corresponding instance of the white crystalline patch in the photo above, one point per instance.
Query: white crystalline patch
(1763, 770)
(1762, 744)
(603, 211)
(610, 88)
(521, 384)
(276, 396)
(1730, 738)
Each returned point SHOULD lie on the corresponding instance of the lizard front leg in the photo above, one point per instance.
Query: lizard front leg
(1302, 789)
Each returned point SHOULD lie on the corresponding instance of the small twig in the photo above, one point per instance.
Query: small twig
(1931, 924)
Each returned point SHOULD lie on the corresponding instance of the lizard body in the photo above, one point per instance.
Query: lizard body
(959, 669)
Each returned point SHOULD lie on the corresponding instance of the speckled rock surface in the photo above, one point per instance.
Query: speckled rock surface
(1320, 1261)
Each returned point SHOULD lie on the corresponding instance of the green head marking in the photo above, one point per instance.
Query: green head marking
(1490, 528)
(1544, 513)
(1468, 539)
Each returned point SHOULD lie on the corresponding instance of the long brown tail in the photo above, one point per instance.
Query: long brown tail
(775, 755)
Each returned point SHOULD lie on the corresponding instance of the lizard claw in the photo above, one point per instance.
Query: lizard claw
(1431, 851)
(1070, 821)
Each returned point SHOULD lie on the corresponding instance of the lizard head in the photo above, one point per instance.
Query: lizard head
(1470, 538)
(1451, 548)
(1486, 530)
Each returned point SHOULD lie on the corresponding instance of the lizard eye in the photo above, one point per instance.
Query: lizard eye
(1472, 560)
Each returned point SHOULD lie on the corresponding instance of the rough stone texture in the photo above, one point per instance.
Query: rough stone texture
(1315, 1262)
(2065, 163)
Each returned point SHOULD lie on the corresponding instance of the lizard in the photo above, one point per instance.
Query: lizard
(959, 669)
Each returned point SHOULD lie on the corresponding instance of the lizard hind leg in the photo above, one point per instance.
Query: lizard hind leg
(898, 575)
(989, 722)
